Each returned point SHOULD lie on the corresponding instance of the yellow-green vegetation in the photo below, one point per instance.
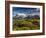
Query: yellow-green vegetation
(26, 24)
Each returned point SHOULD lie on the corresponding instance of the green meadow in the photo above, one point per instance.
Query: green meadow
(26, 24)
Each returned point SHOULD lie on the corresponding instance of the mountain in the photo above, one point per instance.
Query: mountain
(27, 16)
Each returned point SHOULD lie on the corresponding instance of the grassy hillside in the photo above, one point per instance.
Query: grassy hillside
(26, 24)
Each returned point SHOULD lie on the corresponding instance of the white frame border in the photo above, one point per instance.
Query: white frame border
(25, 31)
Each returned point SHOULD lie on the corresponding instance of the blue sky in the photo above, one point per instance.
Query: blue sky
(25, 10)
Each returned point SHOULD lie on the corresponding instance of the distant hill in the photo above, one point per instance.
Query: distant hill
(27, 16)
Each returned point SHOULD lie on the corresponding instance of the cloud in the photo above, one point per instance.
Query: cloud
(23, 11)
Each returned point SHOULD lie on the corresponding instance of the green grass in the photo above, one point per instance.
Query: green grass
(26, 24)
